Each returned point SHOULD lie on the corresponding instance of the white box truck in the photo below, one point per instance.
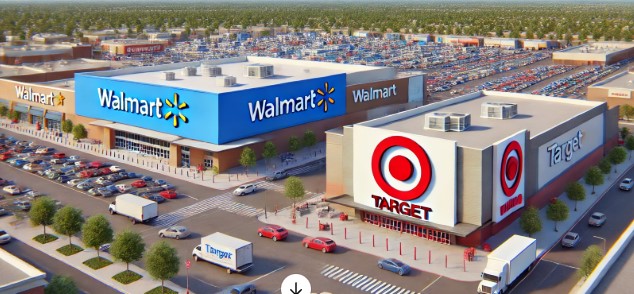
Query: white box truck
(236, 255)
(137, 209)
(507, 262)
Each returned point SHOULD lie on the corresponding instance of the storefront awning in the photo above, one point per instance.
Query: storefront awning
(461, 229)
(36, 111)
(144, 132)
(100, 123)
(21, 108)
(54, 115)
(217, 148)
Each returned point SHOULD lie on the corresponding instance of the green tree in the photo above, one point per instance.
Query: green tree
(617, 156)
(214, 171)
(594, 177)
(590, 259)
(270, 151)
(61, 285)
(294, 189)
(629, 144)
(557, 212)
(162, 262)
(14, 115)
(294, 144)
(79, 132)
(67, 126)
(309, 139)
(68, 221)
(247, 158)
(96, 232)
(4, 110)
(605, 166)
(576, 192)
(624, 132)
(530, 221)
(42, 212)
(624, 111)
(127, 246)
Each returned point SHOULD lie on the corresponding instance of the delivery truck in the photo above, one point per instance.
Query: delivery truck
(506, 263)
(236, 255)
(137, 209)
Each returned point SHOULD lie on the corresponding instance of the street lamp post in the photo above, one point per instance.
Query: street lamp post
(604, 241)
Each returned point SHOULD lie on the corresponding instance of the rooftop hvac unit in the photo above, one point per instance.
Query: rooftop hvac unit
(446, 122)
(169, 75)
(259, 70)
(498, 110)
(211, 71)
(189, 71)
(226, 81)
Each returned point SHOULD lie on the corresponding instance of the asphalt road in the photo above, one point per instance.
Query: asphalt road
(52, 267)
(557, 271)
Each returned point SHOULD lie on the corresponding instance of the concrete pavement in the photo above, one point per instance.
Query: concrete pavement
(21, 230)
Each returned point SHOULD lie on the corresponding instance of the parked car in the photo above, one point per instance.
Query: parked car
(277, 176)
(124, 188)
(74, 182)
(19, 163)
(168, 187)
(94, 191)
(44, 150)
(74, 157)
(12, 189)
(597, 219)
(394, 265)
(101, 180)
(57, 161)
(240, 289)
(64, 179)
(3, 211)
(169, 194)
(274, 232)
(570, 240)
(105, 171)
(132, 175)
(626, 184)
(3, 182)
(146, 178)
(155, 197)
(106, 191)
(319, 243)
(105, 248)
(176, 232)
(138, 184)
(116, 169)
(95, 164)
(23, 205)
(160, 182)
(244, 190)
(59, 155)
(34, 194)
(85, 185)
(32, 167)
(4, 237)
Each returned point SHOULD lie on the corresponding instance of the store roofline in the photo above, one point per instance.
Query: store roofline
(460, 229)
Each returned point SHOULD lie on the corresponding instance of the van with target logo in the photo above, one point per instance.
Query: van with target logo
(236, 255)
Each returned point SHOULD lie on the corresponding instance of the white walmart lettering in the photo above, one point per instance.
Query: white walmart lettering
(264, 109)
(129, 104)
(25, 93)
(363, 95)
(564, 151)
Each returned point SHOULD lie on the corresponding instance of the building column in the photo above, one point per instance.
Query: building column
(196, 156)
(108, 138)
(175, 155)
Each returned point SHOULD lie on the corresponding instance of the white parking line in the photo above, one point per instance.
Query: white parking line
(279, 269)
(431, 284)
(190, 197)
(562, 264)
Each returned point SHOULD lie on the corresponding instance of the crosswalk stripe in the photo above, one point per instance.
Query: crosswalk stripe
(376, 286)
(359, 281)
(327, 268)
(400, 290)
(387, 289)
(371, 284)
(332, 274)
(346, 279)
(353, 280)
(341, 274)
(332, 270)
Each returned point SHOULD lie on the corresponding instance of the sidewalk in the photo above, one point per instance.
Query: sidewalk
(231, 178)
(346, 234)
(24, 232)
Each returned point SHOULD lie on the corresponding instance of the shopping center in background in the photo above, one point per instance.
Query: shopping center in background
(460, 170)
(205, 113)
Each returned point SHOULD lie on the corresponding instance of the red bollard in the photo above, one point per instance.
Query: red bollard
(414, 252)
(445, 260)
(359, 237)
(429, 257)
(372, 240)
(400, 249)
(387, 248)
(464, 265)
(307, 223)
(331, 228)
(345, 233)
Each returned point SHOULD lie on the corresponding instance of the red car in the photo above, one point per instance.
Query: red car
(105, 171)
(87, 173)
(168, 194)
(138, 184)
(6, 155)
(319, 243)
(274, 232)
(59, 155)
(95, 164)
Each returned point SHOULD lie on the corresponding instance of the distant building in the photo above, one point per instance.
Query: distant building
(502, 43)
(596, 53)
(616, 91)
(460, 40)
(539, 44)
(422, 39)
(159, 36)
(392, 36)
(19, 276)
(50, 38)
(33, 53)
(96, 37)
(133, 46)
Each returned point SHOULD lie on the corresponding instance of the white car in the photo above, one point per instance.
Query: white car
(597, 219)
(12, 189)
(626, 184)
(176, 232)
(32, 167)
(124, 188)
(4, 237)
(74, 182)
(73, 157)
(244, 189)
(116, 169)
(570, 240)
(102, 181)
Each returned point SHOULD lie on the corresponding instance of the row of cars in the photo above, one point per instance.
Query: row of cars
(95, 177)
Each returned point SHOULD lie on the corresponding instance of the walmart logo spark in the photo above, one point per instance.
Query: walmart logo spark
(326, 100)
(179, 107)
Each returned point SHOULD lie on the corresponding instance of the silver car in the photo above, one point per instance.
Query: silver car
(597, 219)
(570, 240)
(4, 237)
(176, 232)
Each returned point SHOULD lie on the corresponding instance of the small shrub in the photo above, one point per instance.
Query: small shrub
(126, 277)
(43, 239)
(97, 263)
(69, 250)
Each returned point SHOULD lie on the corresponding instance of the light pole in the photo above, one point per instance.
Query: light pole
(604, 241)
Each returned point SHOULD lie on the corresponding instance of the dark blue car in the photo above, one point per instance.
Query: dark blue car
(394, 265)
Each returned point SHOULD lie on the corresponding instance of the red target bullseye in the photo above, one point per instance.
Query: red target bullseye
(401, 168)
(511, 168)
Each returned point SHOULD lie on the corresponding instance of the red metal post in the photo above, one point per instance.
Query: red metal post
(414, 252)
(429, 257)
(400, 249)
(373, 240)
(445, 260)
(345, 233)
(307, 223)
(386, 245)
(331, 229)
(464, 265)
(359, 237)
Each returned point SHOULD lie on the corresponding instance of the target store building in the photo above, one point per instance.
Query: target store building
(459, 171)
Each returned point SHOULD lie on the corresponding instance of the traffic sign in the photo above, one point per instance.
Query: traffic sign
(188, 264)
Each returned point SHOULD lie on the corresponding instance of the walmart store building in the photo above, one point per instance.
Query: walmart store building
(206, 112)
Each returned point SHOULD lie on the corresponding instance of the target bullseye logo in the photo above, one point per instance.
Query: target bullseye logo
(511, 168)
(401, 168)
